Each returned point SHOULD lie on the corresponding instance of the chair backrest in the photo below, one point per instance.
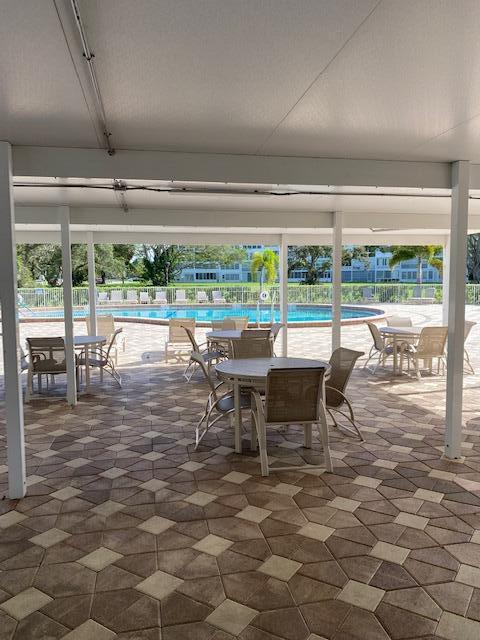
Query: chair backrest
(377, 338)
(239, 322)
(256, 333)
(430, 292)
(176, 329)
(144, 297)
(342, 362)
(217, 325)
(102, 296)
(251, 348)
(294, 395)
(23, 359)
(112, 341)
(431, 342)
(160, 296)
(191, 337)
(116, 295)
(202, 296)
(47, 355)
(180, 295)
(105, 325)
(132, 295)
(275, 329)
(216, 295)
(399, 321)
(367, 292)
(469, 324)
(198, 358)
(417, 292)
(228, 324)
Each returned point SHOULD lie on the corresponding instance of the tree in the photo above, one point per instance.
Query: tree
(163, 262)
(422, 253)
(124, 254)
(264, 263)
(473, 257)
(315, 260)
(224, 255)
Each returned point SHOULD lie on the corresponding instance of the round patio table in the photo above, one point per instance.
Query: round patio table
(253, 371)
(397, 333)
(224, 334)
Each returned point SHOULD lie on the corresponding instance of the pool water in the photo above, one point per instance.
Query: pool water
(296, 313)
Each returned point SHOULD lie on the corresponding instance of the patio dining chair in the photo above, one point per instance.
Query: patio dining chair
(220, 401)
(380, 348)
(239, 322)
(256, 333)
(178, 341)
(430, 346)
(106, 327)
(468, 327)
(217, 298)
(251, 348)
(399, 321)
(180, 297)
(46, 358)
(208, 357)
(342, 362)
(293, 396)
(102, 359)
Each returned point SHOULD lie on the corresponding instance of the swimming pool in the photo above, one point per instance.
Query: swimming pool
(297, 313)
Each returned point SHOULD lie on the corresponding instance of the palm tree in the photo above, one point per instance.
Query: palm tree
(264, 263)
(425, 253)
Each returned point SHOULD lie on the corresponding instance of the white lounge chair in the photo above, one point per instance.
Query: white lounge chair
(218, 298)
(419, 298)
(161, 296)
(144, 297)
(132, 296)
(367, 294)
(201, 297)
(180, 297)
(102, 297)
(116, 295)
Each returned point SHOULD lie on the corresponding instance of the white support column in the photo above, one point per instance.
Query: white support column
(10, 335)
(64, 213)
(445, 280)
(92, 289)
(336, 280)
(284, 293)
(456, 307)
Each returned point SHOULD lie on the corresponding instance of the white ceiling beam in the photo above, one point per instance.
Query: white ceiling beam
(207, 167)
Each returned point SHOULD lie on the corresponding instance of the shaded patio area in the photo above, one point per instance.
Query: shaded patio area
(126, 530)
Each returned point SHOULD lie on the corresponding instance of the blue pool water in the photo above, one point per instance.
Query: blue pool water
(296, 313)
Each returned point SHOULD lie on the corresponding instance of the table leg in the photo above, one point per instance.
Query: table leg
(87, 367)
(238, 416)
(395, 355)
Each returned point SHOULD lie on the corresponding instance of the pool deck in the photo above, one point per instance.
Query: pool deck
(126, 532)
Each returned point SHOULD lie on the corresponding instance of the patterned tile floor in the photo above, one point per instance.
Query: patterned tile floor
(128, 533)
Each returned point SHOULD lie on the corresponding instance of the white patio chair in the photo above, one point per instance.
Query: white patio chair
(180, 297)
(399, 321)
(218, 403)
(468, 327)
(116, 295)
(292, 396)
(239, 322)
(367, 294)
(144, 297)
(102, 359)
(342, 362)
(46, 358)
(380, 348)
(178, 341)
(208, 357)
(132, 296)
(106, 327)
(161, 296)
(102, 297)
(276, 328)
(217, 298)
(201, 297)
(430, 346)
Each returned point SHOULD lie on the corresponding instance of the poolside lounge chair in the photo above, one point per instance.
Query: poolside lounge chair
(430, 345)
(102, 297)
(293, 396)
(144, 297)
(116, 295)
(178, 341)
(367, 294)
(161, 296)
(201, 297)
(468, 327)
(419, 298)
(180, 297)
(217, 298)
(132, 296)
(342, 362)
(46, 358)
